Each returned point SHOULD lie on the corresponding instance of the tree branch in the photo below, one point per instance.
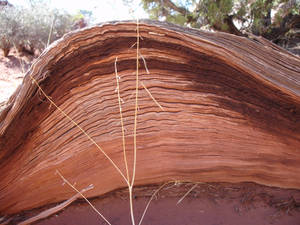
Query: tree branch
(231, 28)
(176, 8)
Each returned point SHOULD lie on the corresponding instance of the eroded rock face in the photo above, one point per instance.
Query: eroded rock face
(231, 113)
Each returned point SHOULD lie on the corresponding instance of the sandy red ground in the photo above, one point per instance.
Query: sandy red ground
(207, 204)
(11, 73)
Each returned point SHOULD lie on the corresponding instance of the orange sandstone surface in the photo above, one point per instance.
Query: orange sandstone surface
(231, 113)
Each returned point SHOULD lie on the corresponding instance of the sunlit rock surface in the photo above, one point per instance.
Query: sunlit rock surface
(231, 113)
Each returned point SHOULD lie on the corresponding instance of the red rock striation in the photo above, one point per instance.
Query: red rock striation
(231, 113)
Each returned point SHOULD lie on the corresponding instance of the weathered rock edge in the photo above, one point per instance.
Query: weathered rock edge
(232, 110)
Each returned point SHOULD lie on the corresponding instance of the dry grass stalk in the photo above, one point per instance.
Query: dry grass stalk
(121, 121)
(55, 209)
(186, 194)
(130, 186)
(150, 200)
(156, 102)
(78, 192)
(149, 93)
(136, 100)
(51, 30)
(145, 64)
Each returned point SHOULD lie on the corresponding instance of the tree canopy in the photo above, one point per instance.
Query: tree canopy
(33, 26)
(271, 19)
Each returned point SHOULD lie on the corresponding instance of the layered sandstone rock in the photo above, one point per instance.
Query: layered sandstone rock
(231, 113)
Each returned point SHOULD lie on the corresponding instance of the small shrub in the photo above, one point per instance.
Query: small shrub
(32, 28)
(5, 45)
(8, 28)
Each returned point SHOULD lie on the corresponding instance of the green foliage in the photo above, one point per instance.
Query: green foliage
(259, 17)
(176, 18)
(218, 10)
(85, 15)
(29, 28)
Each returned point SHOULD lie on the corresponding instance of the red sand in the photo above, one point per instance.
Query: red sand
(209, 204)
(12, 73)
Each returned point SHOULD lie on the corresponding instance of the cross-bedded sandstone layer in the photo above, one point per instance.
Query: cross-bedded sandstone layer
(231, 113)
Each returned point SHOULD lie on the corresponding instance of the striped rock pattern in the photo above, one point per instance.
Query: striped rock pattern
(231, 113)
